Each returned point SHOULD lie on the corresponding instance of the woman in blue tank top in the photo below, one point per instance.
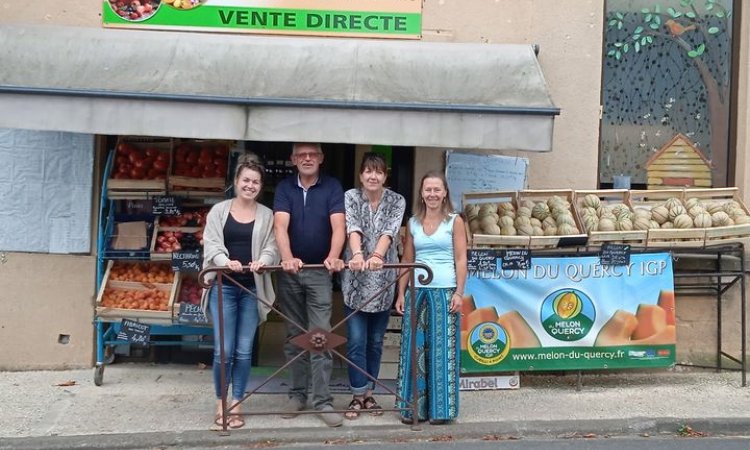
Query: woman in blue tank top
(436, 237)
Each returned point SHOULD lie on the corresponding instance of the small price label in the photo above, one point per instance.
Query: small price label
(134, 332)
(614, 254)
(482, 260)
(516, 259)
(190, 313)
(187, 261)
(165, 205)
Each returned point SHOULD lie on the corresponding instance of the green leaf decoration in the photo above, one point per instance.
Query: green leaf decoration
(701, 49)
(626, 47)
(611, 53)
(709, 6)
(719, 13)
(620, 16)
(636, 37)
(713, 30)
(645, 10)
(657, 19)
(618, 55)
(685, 2)
(690, 14)
(644, 39)
(618, 44)
(619, 25)
(638, 30)
(637, 47)
(677, 14)
(657, 9)
(692, 53)
(648, 18)
(654, 26)
(650, 39)
(671, 11)
(612, 22)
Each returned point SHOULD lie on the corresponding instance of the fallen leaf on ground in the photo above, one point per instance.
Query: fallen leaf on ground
(67, 383)
(442, 438)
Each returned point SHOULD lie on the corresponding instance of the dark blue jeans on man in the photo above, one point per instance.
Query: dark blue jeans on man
(364, 347)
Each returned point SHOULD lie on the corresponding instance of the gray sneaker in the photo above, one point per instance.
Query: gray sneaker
(292, 407)
(331, 419)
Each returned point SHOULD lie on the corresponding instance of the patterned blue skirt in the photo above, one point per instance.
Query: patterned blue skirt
(437, 334)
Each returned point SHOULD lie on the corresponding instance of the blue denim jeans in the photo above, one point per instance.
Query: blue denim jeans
(364, 347)
(240, 323)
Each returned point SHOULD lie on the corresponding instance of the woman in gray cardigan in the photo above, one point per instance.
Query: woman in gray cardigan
(239, 232)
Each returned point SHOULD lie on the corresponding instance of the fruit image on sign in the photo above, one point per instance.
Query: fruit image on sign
(567, 314)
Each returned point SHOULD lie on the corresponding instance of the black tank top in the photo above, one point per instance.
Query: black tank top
(238, 238)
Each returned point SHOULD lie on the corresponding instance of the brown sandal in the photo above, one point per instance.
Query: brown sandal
(371, 405)
(352, 411)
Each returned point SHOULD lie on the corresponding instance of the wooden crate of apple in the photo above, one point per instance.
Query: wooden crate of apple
(200, 165)
(175, 241)
(140, 165)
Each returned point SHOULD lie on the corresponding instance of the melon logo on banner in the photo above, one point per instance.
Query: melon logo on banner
(567, 314)
(489, 343)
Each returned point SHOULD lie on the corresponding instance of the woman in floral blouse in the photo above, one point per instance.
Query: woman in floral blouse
(373, 219)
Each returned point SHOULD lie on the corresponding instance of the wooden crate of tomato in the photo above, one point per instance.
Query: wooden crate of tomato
(139, 165)
(200, 167)
(141, 290)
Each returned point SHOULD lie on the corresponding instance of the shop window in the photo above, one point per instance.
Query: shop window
(666, 93)
(45, 191)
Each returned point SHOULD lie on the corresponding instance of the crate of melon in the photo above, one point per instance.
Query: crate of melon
(199, 168)
(140, 290)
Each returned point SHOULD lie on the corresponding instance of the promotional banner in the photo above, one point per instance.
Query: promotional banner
(569, 313)
(354, 18)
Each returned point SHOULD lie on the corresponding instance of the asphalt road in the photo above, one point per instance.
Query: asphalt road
(614, 443)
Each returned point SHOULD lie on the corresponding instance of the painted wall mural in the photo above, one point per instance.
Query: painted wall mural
(667, 73)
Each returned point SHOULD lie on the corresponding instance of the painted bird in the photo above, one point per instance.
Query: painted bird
(677, 28)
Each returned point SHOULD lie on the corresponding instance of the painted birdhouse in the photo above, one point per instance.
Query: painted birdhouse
(679, 163)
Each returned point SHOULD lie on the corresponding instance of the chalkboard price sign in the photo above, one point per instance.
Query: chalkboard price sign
(190, 313)
(187, 261)
(615, 254)
(517, 259)
(134, 332)
(482, 260)
(165, 205)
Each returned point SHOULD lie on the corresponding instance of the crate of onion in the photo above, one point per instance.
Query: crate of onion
(535, 219)
(141, 290)
(200, 167)
(608, 217)
(139, 167)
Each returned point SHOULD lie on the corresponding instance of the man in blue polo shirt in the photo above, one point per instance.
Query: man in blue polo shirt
(310, 228)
